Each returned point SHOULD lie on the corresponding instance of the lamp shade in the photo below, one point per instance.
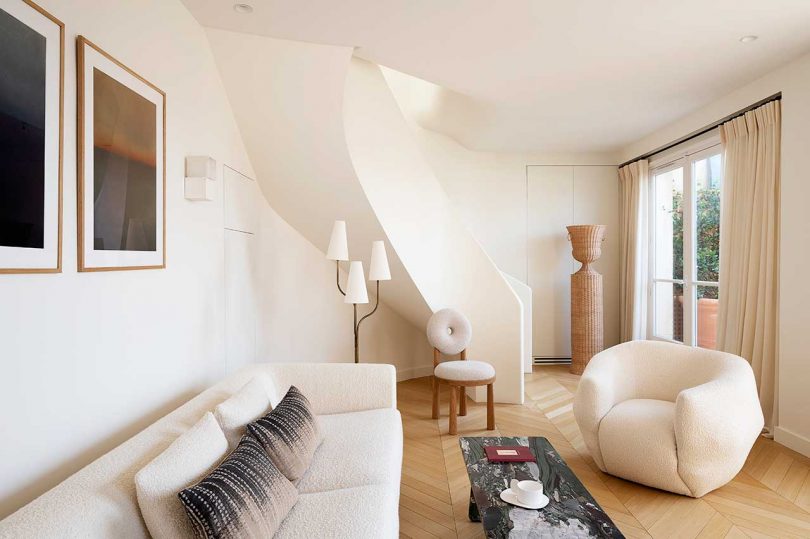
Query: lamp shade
(378, 270)
(338, 246)
(356, 287)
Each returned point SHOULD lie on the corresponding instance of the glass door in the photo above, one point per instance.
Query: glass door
(684, 255)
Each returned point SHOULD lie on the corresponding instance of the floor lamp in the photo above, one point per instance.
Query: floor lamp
(356, 292)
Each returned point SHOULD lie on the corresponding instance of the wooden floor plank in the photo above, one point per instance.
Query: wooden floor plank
(769, 498)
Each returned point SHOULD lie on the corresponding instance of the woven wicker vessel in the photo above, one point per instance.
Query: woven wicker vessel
(587, 325)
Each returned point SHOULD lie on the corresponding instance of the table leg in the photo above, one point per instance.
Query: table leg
(472, 512)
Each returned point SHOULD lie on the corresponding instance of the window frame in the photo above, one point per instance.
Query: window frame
(684, 156)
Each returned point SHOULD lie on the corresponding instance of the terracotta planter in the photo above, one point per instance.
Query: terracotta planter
(707, 323)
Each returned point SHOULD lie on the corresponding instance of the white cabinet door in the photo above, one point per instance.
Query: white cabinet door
(550, 208)
(241, 282)
(596, 202)
(240, 200)
(559, 196)
(241, 274)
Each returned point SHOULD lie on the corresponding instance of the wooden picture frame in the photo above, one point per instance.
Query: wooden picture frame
(26, 255)
(119, 232)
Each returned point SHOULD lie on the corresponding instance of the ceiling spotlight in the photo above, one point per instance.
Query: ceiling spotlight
(748, 39)
(243, 8)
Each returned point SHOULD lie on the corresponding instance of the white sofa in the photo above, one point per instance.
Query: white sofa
(351, 489)
(669, 416)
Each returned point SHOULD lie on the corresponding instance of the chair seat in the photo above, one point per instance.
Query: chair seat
(464, 371)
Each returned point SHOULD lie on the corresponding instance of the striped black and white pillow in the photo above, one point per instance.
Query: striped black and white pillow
(245, 496)
(289, 434)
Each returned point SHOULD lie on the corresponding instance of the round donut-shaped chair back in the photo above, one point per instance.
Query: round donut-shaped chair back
(449, 331)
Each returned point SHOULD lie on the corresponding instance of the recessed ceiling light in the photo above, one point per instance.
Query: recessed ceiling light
(748, 39)
(243, 8)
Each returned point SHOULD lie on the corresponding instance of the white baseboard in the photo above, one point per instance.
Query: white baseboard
(794, 441)
(414, 372)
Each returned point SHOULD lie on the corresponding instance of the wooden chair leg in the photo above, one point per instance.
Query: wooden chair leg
(435, 413)
(490, 408)
(462, 400)
(453, 426)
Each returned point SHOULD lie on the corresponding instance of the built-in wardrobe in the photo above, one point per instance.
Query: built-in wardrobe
(558, 196)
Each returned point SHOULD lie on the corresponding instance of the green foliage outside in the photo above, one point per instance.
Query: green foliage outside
(708, 238)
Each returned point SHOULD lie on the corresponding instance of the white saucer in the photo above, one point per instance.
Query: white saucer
(510, 497)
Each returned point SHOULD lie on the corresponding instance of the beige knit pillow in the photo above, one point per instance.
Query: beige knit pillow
(289, 434)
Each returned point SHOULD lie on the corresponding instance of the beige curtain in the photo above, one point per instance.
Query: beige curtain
(749, 246)
(633, 186)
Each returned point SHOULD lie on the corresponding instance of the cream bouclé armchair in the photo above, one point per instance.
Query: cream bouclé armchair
(669, 416)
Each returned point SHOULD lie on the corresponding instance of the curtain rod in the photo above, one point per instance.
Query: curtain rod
(706, 129)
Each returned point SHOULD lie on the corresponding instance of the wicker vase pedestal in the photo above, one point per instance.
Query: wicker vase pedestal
(587, 318)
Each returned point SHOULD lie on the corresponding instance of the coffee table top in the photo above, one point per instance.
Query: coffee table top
(572, 511)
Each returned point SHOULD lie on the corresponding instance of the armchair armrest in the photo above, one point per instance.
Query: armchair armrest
(334, 388)
(716, 424)
(601, 387)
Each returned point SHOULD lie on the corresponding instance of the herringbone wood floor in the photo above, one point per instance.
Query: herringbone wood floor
(770, 497)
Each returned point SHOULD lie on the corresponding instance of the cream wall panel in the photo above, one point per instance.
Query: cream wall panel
(240, 199)
(559, 196)
(241, 298)
(550, 210)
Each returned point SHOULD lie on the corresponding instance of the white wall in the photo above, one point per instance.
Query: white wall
(303, 316)
(524, 295)
(287, 98)
(282, 303)
(489, 191)
(90, 359)
(793, 80)
(494, 195)
(446, 263)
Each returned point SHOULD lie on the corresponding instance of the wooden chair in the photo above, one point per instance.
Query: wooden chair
(449, 332)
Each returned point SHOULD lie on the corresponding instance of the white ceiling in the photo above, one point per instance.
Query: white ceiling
(547, 75)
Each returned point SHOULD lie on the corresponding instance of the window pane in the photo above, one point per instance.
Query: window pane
(707, 302)
(708, 181)
(669, 311)
(669, 225)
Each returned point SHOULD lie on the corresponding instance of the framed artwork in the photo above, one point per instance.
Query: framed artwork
(122, 165)
(32, 53)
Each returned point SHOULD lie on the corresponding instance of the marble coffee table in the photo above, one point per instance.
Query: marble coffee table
(572, 511)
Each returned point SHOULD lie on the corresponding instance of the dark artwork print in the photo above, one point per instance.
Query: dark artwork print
(125, 168)
(22, 134)
(571, 512)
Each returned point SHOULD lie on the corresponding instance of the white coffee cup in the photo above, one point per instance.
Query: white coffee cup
(527, 492)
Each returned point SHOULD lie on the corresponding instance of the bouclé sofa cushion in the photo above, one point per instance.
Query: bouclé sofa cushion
(252, 401)
(187, 460)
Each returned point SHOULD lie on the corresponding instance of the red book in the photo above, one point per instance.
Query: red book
(509, 453)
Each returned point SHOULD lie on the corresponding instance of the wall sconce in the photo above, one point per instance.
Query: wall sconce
(201, 173)
(356, 292)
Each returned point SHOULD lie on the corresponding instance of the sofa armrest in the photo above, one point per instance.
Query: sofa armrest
(716, 424)
(334, 388)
